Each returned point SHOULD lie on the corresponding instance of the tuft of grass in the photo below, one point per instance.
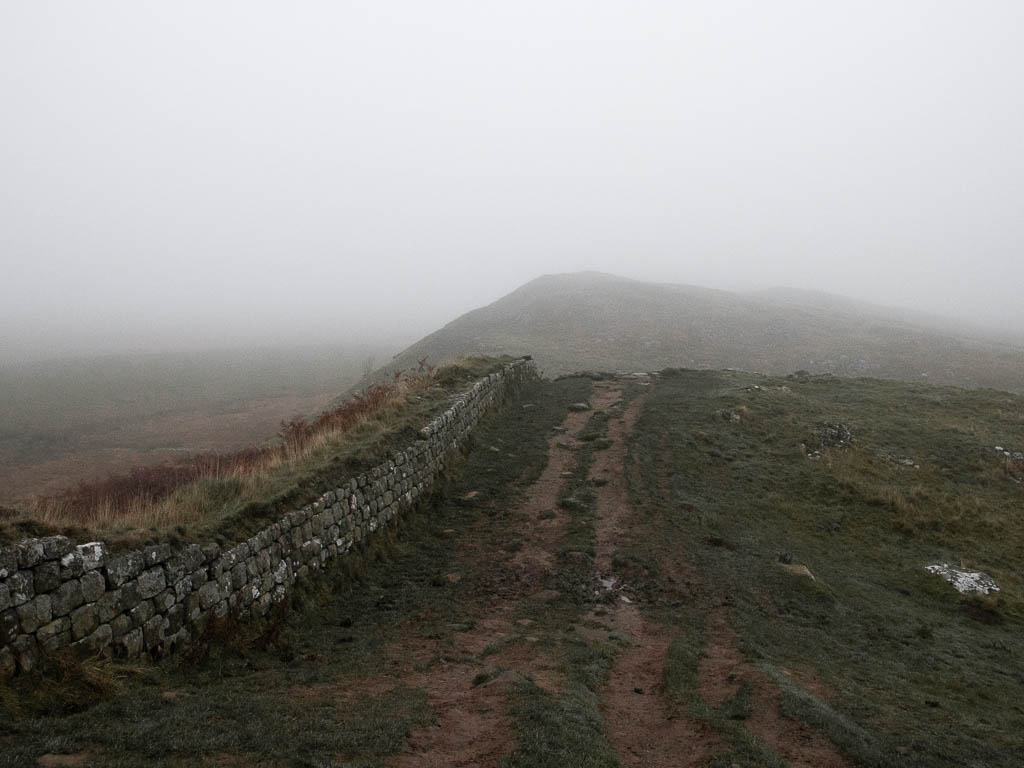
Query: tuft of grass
(559, 732)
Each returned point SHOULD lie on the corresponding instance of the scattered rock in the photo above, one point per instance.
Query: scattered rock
(965, 582)
(470, 495)
(834, 434)
(798, 570)
(528, 406)
(454, 578)
(579, 407)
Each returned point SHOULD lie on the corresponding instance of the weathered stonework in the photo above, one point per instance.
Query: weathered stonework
(54, 594)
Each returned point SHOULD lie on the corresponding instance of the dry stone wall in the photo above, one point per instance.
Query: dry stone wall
(55, 594)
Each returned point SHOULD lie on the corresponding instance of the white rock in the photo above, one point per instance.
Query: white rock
(965, 582)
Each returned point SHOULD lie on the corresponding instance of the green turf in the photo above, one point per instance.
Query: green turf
(922, 676)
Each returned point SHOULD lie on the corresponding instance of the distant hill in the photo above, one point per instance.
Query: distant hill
(590, 320)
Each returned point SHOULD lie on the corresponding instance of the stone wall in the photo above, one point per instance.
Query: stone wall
(54, 594)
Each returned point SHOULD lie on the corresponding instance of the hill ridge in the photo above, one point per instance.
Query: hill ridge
(597, 321)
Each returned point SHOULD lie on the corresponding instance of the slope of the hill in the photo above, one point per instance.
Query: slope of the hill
(589, 320)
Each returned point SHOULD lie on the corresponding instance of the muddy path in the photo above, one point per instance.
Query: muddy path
(646, 727)
(469, 688)
(643, 725)
(722, 673)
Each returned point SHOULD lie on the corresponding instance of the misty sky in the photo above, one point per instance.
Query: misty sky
(216, 173)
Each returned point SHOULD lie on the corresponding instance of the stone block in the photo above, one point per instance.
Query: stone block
(123, 569)
(210, 552)
(239, 576)
(199, 578)
(8, 626)
(94, 555)
(30, 553)
(120, 625)
(156, 554)
(164, 601)
(71, 565)
(66, 598)
(55, 547)
(193, 606)
(84, 620)
(26, 652)
(95, 644)
(8, 561)
(175, 618)
(182, 588)
(153, 631)
(130, 644)
(8, 666)
(209, 595)
(184, 563)
(142, 613)
(47, 576)
(93, 586)
(5, 597)
(55, 635)
(129, 596)
(34, 614)
(22, 587)
(151, 582)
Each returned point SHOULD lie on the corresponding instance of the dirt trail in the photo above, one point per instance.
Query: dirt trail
(644, 727)
(473, 726)
(723, 670)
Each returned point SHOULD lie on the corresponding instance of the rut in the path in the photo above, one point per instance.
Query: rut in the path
(644, 727)
(473, 726)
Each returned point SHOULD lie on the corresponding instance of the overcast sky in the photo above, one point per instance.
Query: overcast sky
(211, 173)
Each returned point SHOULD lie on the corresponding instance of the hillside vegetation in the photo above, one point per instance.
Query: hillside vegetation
(593, 321)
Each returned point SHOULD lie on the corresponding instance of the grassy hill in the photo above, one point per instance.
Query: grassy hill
(588, 320)
(709, 569)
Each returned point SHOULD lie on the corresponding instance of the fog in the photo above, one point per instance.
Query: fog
(198, 174)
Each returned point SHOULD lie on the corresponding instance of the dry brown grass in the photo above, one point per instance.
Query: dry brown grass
(167, 495)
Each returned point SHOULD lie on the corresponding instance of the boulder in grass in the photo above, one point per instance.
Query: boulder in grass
(965, 582)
